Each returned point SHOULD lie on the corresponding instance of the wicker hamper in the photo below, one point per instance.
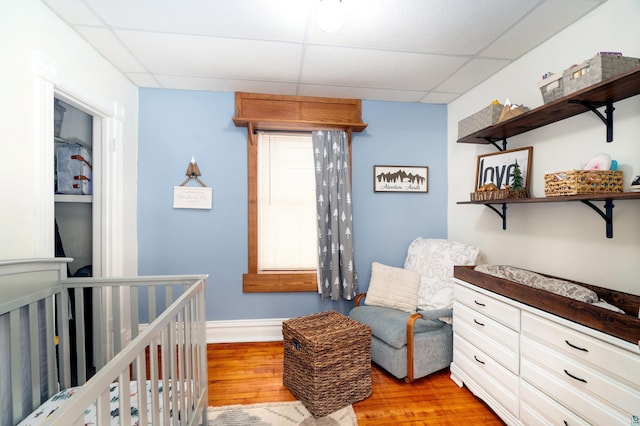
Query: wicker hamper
(577, 182)
(327, 361)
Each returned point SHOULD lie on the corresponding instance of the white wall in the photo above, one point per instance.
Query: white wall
(562, 239)
(27, 26)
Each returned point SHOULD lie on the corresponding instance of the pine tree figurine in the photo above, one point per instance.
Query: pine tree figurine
(517, 184)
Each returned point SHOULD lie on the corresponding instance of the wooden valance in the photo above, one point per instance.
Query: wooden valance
(281, 112)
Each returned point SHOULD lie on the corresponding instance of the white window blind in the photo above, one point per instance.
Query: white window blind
(287, 229)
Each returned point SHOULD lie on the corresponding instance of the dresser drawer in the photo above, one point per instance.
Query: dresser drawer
(486, 373)
(622, 364)
(493, 308)
(538, 409)
(496, 340)
(579, 387)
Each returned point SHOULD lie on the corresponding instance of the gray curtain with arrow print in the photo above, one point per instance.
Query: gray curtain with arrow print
(337, 275)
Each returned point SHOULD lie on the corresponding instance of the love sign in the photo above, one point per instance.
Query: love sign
(499, 168)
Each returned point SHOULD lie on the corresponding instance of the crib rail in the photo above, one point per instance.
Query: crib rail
(121, 308)
(29, 291)
(170, 350)
(145, 329)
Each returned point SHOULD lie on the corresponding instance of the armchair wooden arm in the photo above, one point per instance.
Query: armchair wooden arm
(410, 323)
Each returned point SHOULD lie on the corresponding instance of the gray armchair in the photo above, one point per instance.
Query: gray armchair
(409, 309)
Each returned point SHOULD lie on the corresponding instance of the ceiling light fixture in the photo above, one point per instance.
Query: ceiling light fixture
(330, 15)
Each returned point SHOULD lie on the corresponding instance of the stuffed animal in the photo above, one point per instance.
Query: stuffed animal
(599, 162)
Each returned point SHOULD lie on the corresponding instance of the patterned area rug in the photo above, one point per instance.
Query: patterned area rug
(277, 414)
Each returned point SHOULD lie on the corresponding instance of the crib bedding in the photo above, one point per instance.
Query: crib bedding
(40, 415)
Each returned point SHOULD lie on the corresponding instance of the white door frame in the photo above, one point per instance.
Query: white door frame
(108, 132)
(108, 235)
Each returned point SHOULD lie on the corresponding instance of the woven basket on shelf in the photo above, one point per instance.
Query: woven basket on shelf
(327, 361)
(577, 182)
(500, 194)
(486, 117)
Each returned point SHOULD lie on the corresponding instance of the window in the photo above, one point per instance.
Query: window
(282, 112)
(287, 230)
(275, 212)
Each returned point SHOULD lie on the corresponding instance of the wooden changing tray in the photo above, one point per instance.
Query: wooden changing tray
(623, 326)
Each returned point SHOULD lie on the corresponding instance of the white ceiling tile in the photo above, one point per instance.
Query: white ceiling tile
(142, 79)
(471, 74)
(375, 68)
(439, 98)
(198, 56)
(359, 93)
(222, 85)
(284, 20)
(397, 50)
(461, 27)
(542, 23)
(110, 47)
(73, 12)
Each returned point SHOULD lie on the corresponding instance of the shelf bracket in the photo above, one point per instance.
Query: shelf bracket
(606, 119)
(606, 214)
(502, 214)
(493, 141)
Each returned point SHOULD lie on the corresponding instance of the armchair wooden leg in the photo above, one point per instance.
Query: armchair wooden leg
(410, 322)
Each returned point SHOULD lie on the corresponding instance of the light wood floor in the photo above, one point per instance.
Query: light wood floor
(246, 373)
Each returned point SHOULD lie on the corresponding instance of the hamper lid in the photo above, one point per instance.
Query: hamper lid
(324, 323)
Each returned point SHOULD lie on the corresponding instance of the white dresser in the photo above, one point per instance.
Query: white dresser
(532, 367)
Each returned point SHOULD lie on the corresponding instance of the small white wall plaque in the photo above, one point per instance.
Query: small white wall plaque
(188, 197)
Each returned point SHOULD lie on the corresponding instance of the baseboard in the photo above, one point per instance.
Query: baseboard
(258, 330)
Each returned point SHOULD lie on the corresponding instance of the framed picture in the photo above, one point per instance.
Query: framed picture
(400, 178)
(499, 168)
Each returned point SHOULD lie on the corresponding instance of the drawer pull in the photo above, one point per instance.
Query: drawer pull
(574, 377)
(576, 347)
(565, 423)
(479, 304)
(478, 322)
(476, 358)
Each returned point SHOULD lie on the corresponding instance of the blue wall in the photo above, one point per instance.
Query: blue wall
(175, 125)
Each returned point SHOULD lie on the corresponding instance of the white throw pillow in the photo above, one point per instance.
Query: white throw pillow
(441, 299)
(434, 260)
(392, 287)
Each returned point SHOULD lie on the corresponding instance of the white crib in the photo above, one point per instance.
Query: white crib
(148, 339)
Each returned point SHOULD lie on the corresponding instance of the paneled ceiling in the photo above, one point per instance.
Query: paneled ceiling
(428, 51)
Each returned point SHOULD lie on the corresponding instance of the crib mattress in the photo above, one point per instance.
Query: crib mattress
(44, 411)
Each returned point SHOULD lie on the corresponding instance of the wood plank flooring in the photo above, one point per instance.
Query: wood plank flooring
(247, 373)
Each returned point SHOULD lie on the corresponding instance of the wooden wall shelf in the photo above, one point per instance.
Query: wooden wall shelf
(602, 94)
(605, 94)
(606, 213)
